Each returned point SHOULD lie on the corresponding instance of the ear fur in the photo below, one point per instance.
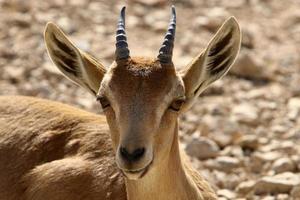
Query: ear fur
(214, 62)
(78, 66)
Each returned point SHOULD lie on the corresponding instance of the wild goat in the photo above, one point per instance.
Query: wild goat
(51, 151)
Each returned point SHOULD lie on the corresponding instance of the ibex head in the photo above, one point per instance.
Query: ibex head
(142, 97)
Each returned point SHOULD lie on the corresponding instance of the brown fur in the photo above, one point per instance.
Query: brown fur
(51, 151)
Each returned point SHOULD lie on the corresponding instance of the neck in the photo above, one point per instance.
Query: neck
(167, 180)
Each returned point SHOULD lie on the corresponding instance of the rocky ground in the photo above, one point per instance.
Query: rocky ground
(244, 132)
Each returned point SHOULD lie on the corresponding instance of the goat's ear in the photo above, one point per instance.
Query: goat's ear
(78, 66)
(213, 62)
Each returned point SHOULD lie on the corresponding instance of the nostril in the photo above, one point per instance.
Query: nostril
(138, 153)
(124, 153)
(135, 156)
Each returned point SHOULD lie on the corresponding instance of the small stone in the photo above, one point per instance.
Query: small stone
(268, 198)
(78, 3)
(245, 187)
(293, 108)
(250, 66)
(295, 193)
(288, 147)
(233, 151)
(226, 193)
(217, 12)
(283, 165)
(210, 24)
(20, 5)
(212, 19)
(226, 180)
(260, 161)
(222, 163)
(155, 18)
(57, 3)
(298, 164)
(66, 24)
(159, 26)
(226, 163)
(51, 68)
(202, 148)
(82, 44)
(267, 156)
(21, 20)
(222, 139)
(248, 38)
(281, 183)
(14, 72)
(151, 2)
(282, 197)
(132, 21)
(245, 113)
(279, 129)
(84, 100)
(248, 142)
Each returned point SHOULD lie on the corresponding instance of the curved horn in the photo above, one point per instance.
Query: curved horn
(122, 51)
(166, 50)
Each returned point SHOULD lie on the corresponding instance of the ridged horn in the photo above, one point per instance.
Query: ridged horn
(122, 51)
(166, 50)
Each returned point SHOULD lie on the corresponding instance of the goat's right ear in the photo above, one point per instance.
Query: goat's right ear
(78, 66)
(214, 62)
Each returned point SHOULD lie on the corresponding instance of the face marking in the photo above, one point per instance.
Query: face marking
(145, 83)
(141, 111)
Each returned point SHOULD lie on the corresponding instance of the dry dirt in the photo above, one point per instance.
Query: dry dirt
(243, 133)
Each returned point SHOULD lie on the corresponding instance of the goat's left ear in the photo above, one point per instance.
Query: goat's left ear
(214, 62)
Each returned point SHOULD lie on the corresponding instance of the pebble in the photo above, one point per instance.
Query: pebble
(267, 156)
(150, 2)
(282, 197)
(233, 151)
(82, 44)
(293, 108)
(51, 68)
(283, 165)
(248, 37)
(249, 65)
(228, 194)
(249, 142)
(202, 148)
(226, 163)
(280, 183)
(210, 24)
(245, 187)
(295, 193)
(66, 25)
(245, 113)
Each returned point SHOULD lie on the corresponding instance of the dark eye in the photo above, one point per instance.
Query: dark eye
(103, 101)
(176, 105)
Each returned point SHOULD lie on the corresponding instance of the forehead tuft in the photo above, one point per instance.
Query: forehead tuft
(143, 66)
(141, 77)
(141, 62)
(140, 66)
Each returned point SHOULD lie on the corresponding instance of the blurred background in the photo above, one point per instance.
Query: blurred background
(244, 132)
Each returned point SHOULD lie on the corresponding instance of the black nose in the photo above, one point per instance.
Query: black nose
(136, 155)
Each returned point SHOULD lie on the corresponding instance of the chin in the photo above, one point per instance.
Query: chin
(133, 175)
(136, 174)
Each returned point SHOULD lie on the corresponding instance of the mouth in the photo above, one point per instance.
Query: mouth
(136, 174)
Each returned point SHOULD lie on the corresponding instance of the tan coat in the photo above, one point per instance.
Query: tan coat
(51, 151)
